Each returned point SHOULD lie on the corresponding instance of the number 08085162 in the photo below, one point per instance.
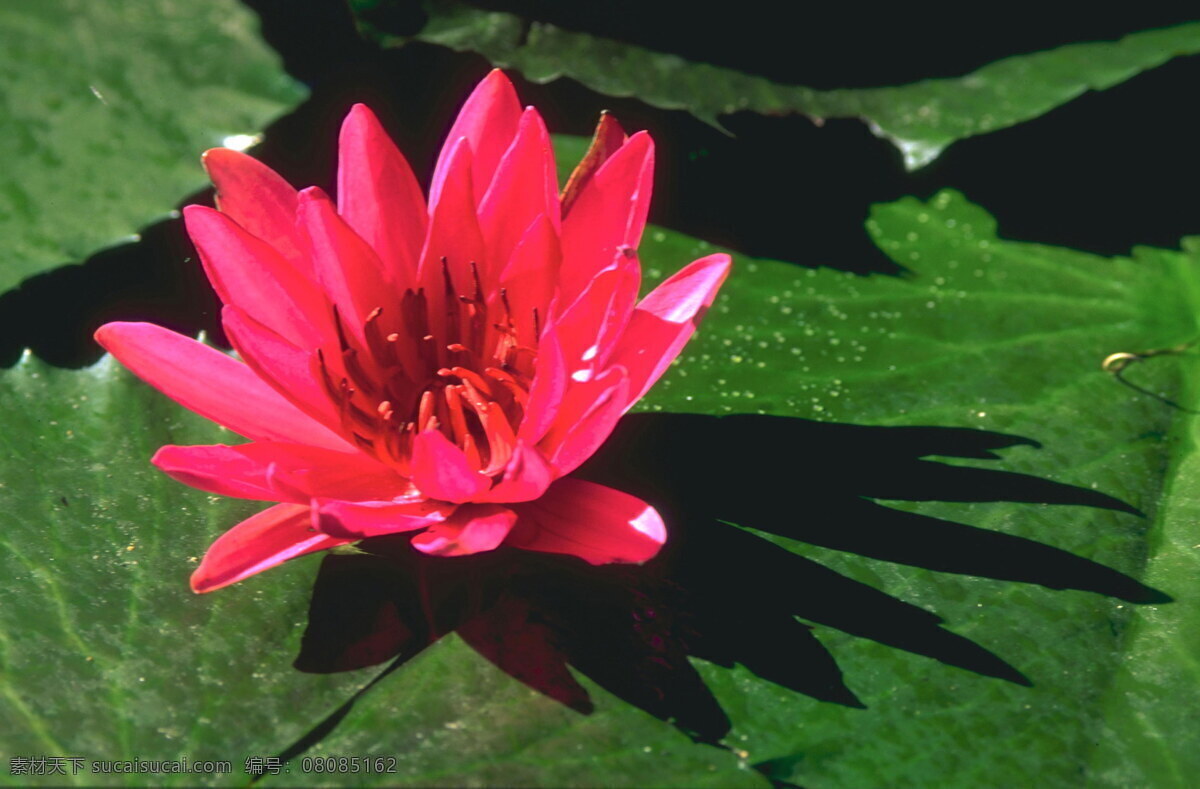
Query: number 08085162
(349, 764)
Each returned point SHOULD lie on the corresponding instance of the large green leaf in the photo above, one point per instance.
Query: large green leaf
(1006, 336)
(105, 107)
(104, 652)
(106, 655)
(921, 119)
(983, 333)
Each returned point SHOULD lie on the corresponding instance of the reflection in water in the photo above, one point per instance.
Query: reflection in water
(716, 592)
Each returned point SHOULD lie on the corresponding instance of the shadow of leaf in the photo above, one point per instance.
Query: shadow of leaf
(716, 592)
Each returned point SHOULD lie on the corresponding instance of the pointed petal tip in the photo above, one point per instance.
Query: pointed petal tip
(458, 146)
(359, 115)
(496, 75)
(102, 335)
(200, 220)
(259, 199)
(204, 580)
(224, 158)
(113, 333)
(716, 268)
(495, 86)
(721, 259)
(530, 114)
(641, 144)
(686, 294)
(201, 584)
(194, 210)
(608, 124)
(161, 455)
(641, 139)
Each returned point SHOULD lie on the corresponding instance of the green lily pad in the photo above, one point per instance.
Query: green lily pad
(983, 333)
(1006, 336)
(921, 119)
(105, 654)
(105, 108)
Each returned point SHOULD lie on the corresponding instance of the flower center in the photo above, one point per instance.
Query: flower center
(445, 360)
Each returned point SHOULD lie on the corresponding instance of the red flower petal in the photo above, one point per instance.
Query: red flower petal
(665, 320)
(609, 213)
(348, 270)
(258, 199)
(523, 188)
(454, 240)
(287, 368)
(471, 529)
(378, 195)
(218, 469)
(530, 279)
(259, 543)
(215, 386)
(374, 519)
(488, 121)
(598, 524)
(526, 477)
(273, 471)
(248, 273)
(589, 413)
(474, 350)
(440, 470)
(546, 393)
(589, 328)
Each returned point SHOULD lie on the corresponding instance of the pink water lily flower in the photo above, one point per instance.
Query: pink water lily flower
(436, 367)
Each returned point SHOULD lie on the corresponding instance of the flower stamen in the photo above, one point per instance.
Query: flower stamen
(460, 371)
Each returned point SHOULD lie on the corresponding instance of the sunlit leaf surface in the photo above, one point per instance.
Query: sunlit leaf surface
(104, 109)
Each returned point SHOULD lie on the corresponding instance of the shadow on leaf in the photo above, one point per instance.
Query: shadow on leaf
(716, 592)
